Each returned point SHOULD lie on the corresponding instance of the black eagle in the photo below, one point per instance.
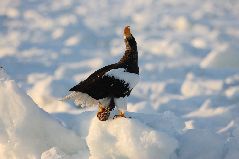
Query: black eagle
(110, 86)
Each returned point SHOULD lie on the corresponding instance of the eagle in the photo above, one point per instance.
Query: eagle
(110, 86)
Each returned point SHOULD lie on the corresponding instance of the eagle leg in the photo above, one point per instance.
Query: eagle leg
(101, 108)
(103, 113)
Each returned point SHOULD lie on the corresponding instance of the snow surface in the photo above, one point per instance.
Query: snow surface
(186, 104)
(220, 57)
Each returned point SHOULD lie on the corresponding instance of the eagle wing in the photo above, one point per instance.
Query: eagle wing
(101, 84)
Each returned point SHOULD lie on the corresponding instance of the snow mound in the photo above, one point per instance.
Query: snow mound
(26, 130)
(195, 86)
(225, 56)
(128, 138)
(201, 143)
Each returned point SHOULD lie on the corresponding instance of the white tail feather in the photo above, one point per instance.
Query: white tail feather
(72, 95)
(82, 99)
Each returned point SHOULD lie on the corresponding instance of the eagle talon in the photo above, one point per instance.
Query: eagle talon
(118, 116)
(121, 114)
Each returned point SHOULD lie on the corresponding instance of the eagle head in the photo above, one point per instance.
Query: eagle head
(127, 32)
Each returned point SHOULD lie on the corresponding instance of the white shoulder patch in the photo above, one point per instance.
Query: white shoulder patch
(131, 78)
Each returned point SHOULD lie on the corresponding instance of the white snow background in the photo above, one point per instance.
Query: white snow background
(185, 106)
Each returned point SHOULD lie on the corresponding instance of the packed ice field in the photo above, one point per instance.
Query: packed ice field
(186, 104)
